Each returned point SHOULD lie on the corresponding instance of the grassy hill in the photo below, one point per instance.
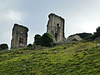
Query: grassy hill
(71, 59)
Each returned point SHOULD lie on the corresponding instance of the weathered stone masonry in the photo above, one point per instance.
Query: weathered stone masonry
(55, 27)
(19, 36)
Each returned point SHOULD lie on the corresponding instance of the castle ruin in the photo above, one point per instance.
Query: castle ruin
(55, 27)
(19, 36)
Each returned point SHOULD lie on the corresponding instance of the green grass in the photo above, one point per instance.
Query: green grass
(71, 59)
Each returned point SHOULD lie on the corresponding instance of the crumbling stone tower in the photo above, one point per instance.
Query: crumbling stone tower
(19, 36)
(55, 27)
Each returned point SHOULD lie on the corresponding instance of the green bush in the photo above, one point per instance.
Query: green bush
(98, 30)
(29, 45)
(96, 34)
(37, 39)
(3, 47)
(46, 40)
(85, 35)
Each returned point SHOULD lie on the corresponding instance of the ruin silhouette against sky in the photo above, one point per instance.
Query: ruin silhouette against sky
(79, 15)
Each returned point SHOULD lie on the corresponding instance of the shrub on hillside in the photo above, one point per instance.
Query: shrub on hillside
(96, 34)
(29, 45)
(84, 36)
(37, 39)
(3, 47)
(46, 40)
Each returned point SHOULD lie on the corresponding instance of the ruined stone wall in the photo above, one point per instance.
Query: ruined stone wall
(19, 36)
(55, 27)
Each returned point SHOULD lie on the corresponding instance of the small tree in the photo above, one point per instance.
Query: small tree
(96, 34)
(46, 40)
(29, 45)
(98, 30)
(3, 47)
(37, 39)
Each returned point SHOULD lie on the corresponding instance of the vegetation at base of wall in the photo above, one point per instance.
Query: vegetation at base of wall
(37, 39)
(76, 58)
(3, 47)
(29, 45)
(45, 40)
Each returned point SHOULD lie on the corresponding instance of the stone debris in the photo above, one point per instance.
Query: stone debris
(98, 45)
(55, 52)
(74, 38)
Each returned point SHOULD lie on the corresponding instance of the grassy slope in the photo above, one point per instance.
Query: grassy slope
(71, 59)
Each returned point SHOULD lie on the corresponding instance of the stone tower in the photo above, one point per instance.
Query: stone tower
(19, 36)
(55, 27)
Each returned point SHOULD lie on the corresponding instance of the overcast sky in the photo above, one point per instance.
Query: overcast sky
(80, 16)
